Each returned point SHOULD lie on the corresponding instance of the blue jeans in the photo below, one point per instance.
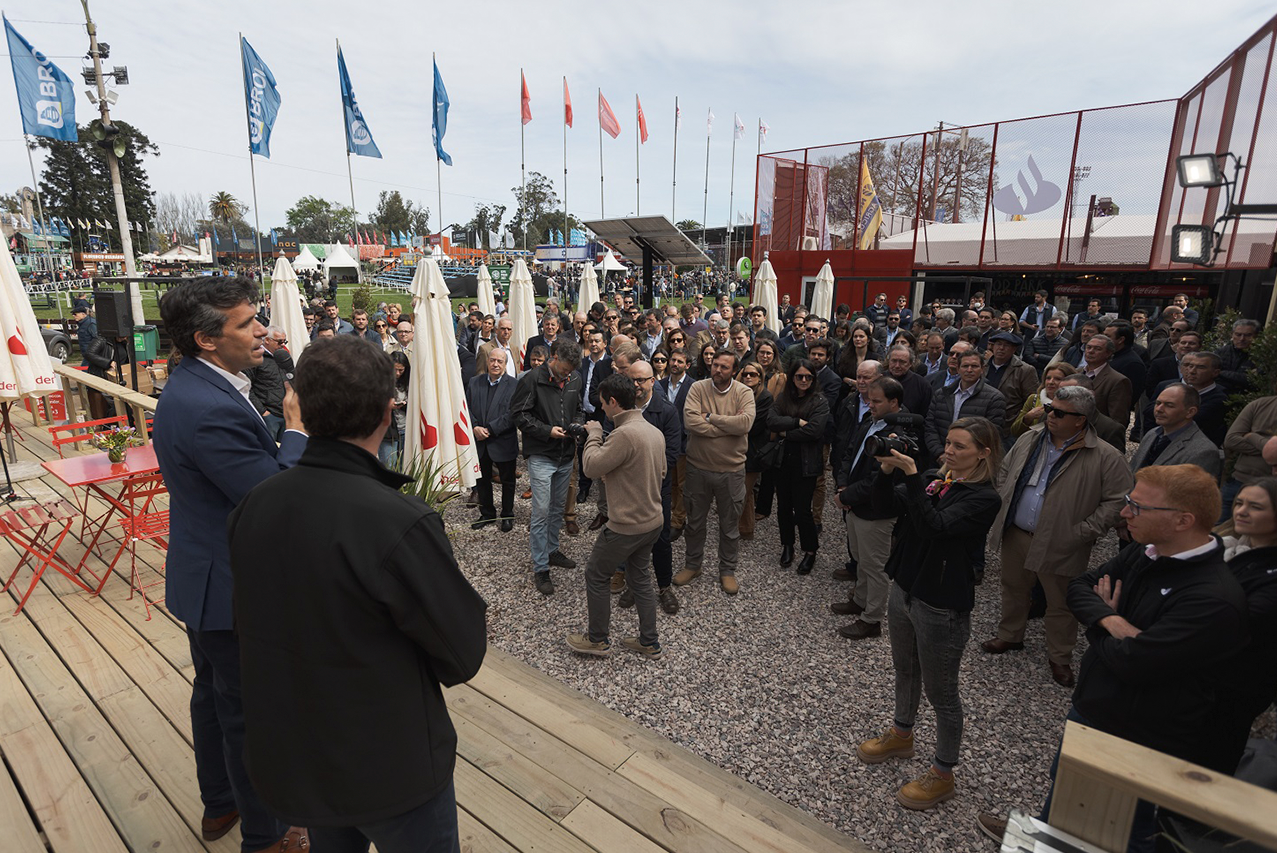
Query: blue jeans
(217, 728)
(926, 650)
(429, 828)
(549, 495)
(1143, 827)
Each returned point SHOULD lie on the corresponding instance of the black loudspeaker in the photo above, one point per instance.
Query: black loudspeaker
(113, 309)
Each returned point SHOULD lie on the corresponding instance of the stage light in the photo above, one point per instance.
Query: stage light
(1199, 170)
(1192, 244)
(91, 95)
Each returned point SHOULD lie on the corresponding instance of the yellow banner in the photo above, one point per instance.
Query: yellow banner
(870, 209)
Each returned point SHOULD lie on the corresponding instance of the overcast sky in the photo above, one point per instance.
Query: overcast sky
(817, 73)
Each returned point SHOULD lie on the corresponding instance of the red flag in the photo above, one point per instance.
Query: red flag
(360, 236)
(642, 120)
(607, 118)
(525, 100)
(567, 104)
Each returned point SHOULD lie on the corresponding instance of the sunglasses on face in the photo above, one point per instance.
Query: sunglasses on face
(1051, 410)
(802, 377)
(660, 360)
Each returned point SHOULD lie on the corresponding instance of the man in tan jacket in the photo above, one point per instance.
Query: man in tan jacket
(718, 415)
(634, 454)
(1062, 488)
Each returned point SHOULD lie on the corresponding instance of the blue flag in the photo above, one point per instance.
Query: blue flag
(358, 137)
(216, 240)
(45, 95)
(274, 238)
(261, 99)
(441, 117)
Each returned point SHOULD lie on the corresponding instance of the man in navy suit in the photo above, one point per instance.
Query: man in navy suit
(677, 378)
(213, 448)
(489, 395)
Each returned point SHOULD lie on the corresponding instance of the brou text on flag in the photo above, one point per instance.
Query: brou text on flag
(607, 118)
(440, 123)
(642, 119)
(525, 100)
(261, 99)
(45, 94)
(358, 137)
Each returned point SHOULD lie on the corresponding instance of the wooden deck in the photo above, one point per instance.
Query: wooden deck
(95, 736)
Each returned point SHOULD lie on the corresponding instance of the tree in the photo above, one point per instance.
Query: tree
(10, 203)
(538, 211)
(76, 183)
(486, 221)
(224, 208)
(316, 220)
(394, 213)
(178, 214)
(688, 225)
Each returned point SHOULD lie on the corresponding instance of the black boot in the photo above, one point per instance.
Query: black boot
(807, 564)
(786, 556)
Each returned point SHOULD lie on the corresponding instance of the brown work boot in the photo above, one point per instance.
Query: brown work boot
(889, 744)
(618, 582)
(686, 576)
(929, 789)
(728, 582)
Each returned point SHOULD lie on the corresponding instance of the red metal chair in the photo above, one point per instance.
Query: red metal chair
(142, 524)
(40, 547)
(77, 433)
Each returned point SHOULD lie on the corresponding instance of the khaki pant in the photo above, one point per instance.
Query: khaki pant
(870, 545)
(818, 497)
(678, 512)
(747, 512)
(1017, 586)
(726, 490)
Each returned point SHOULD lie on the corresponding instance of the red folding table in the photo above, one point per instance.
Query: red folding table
(128, 489)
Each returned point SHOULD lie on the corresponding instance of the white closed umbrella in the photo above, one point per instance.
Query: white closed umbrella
(25, 367)
(286, 307)
(822, 301)
(766, 294)
(523, 309)
(438, 419)
(589, 289)
(483, 295)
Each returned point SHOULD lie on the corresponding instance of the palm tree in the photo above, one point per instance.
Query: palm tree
(223, 207)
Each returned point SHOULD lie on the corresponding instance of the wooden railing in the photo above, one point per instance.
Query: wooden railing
(75, 385)
(1100, 777)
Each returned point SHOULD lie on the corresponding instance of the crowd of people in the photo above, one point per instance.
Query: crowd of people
(941, 436)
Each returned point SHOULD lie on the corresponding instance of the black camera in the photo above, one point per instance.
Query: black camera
(575, 430)
(904, 440)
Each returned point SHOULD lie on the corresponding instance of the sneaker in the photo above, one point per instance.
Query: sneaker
(728, 583)
(563, 561)
(669, 602)
(686, 576)
(651, 652)
(545, 586)
(860, 629)
(626, 598)
(581, 644)
(618, 582)
(847, 608)
(929, 789)
(991, 825)
(885, 746)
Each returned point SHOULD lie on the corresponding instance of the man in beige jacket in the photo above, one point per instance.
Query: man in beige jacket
(718, 415)
(634, 454)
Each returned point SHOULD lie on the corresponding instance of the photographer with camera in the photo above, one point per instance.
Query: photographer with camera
(933, 592)
(868, 530)
(546, 407)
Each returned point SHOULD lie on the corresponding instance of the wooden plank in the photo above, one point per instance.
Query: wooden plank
(503, 812)
(144, 818)
(477, 838)
(604, 832)
(17, 825)
(601, 744)
(550, 795)
(68, 813)
(1103, 775)
(663, 823)
(675, 759)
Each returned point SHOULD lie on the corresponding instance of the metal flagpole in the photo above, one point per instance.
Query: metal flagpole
(44, 226)
(523, 160)
(731, 196)
(674, 186)
(638, 191)
(252, 171)
(705, 208)
(565, 165)
(354, 214)
(602, 215)
(438, 172)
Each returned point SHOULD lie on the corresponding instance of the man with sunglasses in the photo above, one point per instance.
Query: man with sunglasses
(1062, 488)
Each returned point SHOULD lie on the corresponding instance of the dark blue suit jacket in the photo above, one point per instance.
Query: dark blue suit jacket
(663, 388)
(213, 448)
(490, 409)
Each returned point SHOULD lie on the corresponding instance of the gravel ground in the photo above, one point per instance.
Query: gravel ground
(762, 686)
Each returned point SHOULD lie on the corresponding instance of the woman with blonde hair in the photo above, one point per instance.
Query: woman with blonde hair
(1034, 409)
(941, 524)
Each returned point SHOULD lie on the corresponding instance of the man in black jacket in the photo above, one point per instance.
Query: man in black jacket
(399, 619)
(868, 531)
(267, 393)
(489, 396)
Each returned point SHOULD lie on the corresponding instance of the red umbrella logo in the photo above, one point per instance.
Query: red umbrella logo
(460, 429)
(16, 346)
(429, 436)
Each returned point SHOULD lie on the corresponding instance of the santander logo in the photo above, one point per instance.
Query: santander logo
(15, 344)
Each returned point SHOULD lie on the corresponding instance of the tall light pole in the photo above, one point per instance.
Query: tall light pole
(117, 186)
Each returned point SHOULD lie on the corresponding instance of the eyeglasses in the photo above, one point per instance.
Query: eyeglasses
(1050, 409)
(1137, 508)
(660, 361)
(803, 377)
(749, 374)
(379, 326)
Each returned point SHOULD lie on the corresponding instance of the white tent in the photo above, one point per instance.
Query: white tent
(305, 260)
(339, 259)
(438, 421)
(184, 253)
(609, 264)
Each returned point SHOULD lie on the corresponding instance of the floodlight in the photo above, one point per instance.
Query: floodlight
(120, 73)
(1199, 170)
(91, 95)
(1192, 244)
(111, 97)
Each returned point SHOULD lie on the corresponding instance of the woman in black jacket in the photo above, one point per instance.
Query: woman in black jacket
(799, 415)
(751, 375)
(941, 524)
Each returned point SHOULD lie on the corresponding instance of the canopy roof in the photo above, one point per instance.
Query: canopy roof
(306, 259)
(339, 258)
(610, 263)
